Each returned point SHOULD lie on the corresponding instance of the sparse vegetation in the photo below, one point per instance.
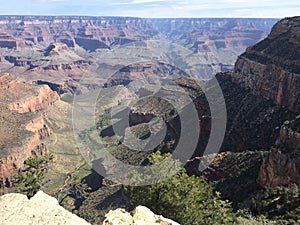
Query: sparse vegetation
(103, 119)
(281, 204)
(29, 179)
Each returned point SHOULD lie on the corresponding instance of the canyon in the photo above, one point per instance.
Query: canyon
(65, 48)
(50, 65)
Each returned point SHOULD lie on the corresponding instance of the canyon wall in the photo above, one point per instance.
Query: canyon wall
(271, 67)
(282, 165)
(23, 130)
(68, 47)
(88, 32)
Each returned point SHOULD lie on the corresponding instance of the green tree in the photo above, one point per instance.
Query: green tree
(29, 179)
(103, 119)
(185, 199)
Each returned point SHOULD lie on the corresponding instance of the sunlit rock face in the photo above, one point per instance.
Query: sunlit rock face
(23, 130)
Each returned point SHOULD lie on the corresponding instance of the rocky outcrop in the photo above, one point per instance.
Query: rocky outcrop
(282, 165)
(139, 216)
(45, 98)
(40, 209)
(67, 86)
(40, 130)
(278, 169)
(271, 68)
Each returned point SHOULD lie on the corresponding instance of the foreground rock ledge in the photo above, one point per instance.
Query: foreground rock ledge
(140, 216)
(41, 209)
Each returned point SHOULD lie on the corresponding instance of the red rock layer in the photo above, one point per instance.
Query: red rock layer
(23, 131)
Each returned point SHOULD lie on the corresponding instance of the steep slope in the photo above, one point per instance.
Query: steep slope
(269, 72)
(271, 69)
(33, 120)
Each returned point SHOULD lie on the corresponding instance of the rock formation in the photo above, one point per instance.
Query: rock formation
(271, 67)
(23, 130)
(57, 49)
(40, 209)
(282, 165)
(139, 216)
(91, 33)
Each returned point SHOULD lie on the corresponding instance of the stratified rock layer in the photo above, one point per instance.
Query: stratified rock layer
(271, 68)
(23, 130)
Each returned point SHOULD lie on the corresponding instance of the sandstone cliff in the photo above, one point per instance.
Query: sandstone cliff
(40, 209)
(271, 67)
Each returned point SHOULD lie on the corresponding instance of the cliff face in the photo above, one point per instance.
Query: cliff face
(23, 130)
(40, 209)
(271, 67)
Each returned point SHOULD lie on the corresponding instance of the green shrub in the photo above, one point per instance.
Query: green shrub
(185, 199)
(29, 179)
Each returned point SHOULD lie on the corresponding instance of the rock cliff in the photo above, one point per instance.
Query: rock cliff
(91, 33)
(23, 130)
(271, 67)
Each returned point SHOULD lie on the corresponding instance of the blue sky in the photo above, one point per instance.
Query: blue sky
(154, 8)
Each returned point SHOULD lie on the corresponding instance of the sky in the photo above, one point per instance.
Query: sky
(154, 8)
